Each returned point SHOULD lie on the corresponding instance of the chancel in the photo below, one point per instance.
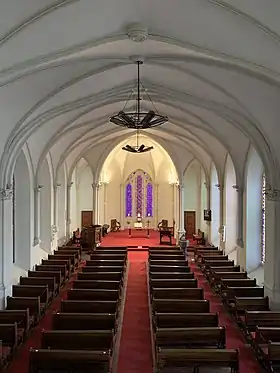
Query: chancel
(140, 187)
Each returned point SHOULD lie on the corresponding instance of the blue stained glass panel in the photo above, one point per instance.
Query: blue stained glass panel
(128, 200)
(139, 195)
(149, 200)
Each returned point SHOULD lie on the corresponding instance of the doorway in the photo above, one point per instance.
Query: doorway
(87, 218)
(189, 222)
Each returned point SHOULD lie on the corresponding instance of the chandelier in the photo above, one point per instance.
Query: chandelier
(139, 119)
(136, 148)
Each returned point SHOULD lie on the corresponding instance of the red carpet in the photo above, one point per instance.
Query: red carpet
(235, 339)
(20, 364)
(137, 238)
(135, 355)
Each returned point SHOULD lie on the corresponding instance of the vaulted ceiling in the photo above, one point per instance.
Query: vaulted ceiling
(212, 66)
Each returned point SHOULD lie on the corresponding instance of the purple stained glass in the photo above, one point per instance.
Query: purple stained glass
(128, 200)
(149, 200)
(139, 194)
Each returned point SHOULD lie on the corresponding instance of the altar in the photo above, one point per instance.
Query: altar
(138, 227)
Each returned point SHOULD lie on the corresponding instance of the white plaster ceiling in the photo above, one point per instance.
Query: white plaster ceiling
(212, 66)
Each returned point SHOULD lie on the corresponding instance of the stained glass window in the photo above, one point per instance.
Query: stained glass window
(139, 194)
(149, 199)
(128, 200)
(263, 220)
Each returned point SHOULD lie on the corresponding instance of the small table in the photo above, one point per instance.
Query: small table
(165, 233)
(139, 230)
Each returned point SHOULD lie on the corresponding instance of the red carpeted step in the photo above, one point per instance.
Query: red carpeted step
(135, 353)
(234, 337)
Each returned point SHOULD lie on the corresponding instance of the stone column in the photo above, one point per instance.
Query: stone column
(221, 189)
(208, 204)
(181, 206)
(37, 215)
(122, 206)
(6, 218)
(95, 202)
(68, 210)
(241, 254)
(272, 244)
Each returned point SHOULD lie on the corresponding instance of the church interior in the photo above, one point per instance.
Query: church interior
(140, 186)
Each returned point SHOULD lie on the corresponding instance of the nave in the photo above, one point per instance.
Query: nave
(131, 310)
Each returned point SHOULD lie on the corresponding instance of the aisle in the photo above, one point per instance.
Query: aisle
(135, 353)
(235, 339)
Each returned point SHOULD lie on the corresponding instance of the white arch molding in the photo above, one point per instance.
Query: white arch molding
(119, 165)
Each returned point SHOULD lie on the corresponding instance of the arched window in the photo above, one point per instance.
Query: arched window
(139, 194)
(128, 200)
(263, 220)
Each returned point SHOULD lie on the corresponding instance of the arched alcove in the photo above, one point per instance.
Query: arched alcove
(22, 214)
(195, 194)
(45, 200)
(120, 165)
(61, 204)
(215, 206)
(84, 182)
(230, 209)
(253, 211)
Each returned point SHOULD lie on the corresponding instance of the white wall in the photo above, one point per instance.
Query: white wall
(73, 204)
(215, 207)
(252, 219)
(84, 192)
(230, 210)
(61, 205)
(45, 207)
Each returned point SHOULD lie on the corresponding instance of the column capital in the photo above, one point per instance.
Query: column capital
(219, 186)
(238, 188)
(95, 185)
(56, 186)
(272, 195)
(240, 242)
(70, 184)
(38, 188)
(7, 193)
(180, 186)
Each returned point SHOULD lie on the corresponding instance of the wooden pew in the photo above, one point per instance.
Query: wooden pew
(185, 320)
(93, 294)
(231, 292)
(270, 354)
(245, 282)
(168, 262)
(111, 249)
(77, 361)
(210, 253)
(70, 248)
(85, 306)
(173, 283)
(56, 274)
(52, 270)
(84, 321)
(252, 319)
(23, 303)
(69, 254)
(171, 275)
(218, 276)
(166, 268)
(208, 264)
(210, 273)
(96, 284)
(106, 263)
(177, 293)
(73, 260)
(96, 340)
(55, 265)
(165, 249)
(119, 269)
(180, 306)
(180, 256)
(191, 337)
(47, 281)
(9, 339)
(30, 291)
(100, 276)
(194, 358)
(242, 304)
(112, 257)
(21, 317)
